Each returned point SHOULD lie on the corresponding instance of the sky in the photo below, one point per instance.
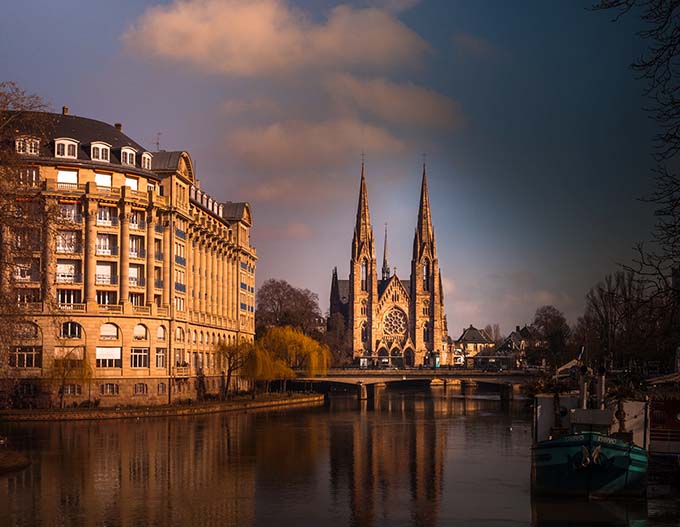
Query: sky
(527, 113)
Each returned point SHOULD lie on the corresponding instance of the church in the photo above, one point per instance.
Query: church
(393, 322)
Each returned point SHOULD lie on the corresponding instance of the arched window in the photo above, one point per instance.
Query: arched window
(71, 330)
(195, 337)
(426, 275)
(426, 332)
(161, 333)
(108, 331)
(140, 332)
(364, 275)
(200, 338)
(26, 331)
(364, 332)
(363, 307)
(426, 307)
(179, 335)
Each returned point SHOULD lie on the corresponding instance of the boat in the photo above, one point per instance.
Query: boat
(578, 450)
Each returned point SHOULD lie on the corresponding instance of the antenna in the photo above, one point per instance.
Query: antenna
(158, 141)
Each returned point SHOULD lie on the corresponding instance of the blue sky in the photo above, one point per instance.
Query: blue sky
(537, 146)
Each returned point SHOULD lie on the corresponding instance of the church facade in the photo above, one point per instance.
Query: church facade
(392, 321)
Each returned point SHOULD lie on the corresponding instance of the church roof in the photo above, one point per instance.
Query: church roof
(382, 285)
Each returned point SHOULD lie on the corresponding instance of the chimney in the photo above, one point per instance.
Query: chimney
(64, 110)
(517, 329)
(119, 127)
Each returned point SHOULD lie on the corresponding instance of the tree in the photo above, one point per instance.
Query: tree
(280, 304)
(260, 365)
(296, 350)
(71, 367)
(337, 339)
(23, 217)
(232, 358)
(554, 330)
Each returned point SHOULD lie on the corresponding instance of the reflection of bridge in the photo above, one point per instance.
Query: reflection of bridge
(367, 383)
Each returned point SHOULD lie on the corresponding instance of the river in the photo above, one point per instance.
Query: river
(430, 458)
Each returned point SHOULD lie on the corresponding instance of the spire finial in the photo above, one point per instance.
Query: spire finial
(385, 266)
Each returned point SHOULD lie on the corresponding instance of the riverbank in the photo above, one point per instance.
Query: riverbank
(236, 404)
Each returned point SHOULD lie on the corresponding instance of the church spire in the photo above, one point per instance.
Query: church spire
(362, 231)
(424, 230)
(385, 266)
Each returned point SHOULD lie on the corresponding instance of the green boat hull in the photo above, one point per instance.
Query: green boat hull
(590, 465)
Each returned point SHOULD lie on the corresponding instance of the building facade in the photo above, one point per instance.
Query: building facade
(392, 321)
(137, 276)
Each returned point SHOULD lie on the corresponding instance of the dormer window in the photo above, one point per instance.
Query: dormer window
(127, 156)
(28, 145)
(100, 151)
(66, 148)
(146, 161)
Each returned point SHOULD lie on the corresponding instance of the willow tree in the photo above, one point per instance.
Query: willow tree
(260, 365)
(297, 350)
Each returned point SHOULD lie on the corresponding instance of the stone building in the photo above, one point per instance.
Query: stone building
(392, 321)
(136, 277)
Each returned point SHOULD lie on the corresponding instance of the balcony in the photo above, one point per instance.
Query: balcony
(181, 371)
(180, 234)
(137, 253)
(74, 307)
(158, 284)
(159, 228)
(136, 281)
(69, 278)
(162, 311)
(180, 260)
(105, 279)
(71, 218)
(141, 310)
(139, 225)
(69, 249)
(110, 308)
(159, 256)
(70, 187)
(106, 251)
(107, 222)
(182, 288)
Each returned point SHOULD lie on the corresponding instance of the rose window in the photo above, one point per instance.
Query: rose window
(395, 322)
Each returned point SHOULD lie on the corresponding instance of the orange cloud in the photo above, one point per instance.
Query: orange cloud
(293, 230)
(250, 38)
(404, 104)
(308, 145)
(260, 105)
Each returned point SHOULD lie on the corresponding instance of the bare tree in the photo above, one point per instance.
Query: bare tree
(280, 304)
(232, 357)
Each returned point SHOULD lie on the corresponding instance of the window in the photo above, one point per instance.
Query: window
(109, 388)
(29, 176)
(105, 274)
(179, 334)
(140, 388)
(68, 296)
(136, 246)
(146, 161)
(27, 145)
(363, 307)
(179, 303)
(364, 275)
(161, 333)
(161, 354)
(139, 357)
(426, 332)
(109, 358)
(132, 182)
(127, 156)
(136, 275)
(100, 151)
(65, 148)
(136, 299)
(106, 216)
(68, 241)
(162, 388)
(26, 330)
(364, 332)
(108, 331)
(140, 332)
(67, 179)
(70, 212)
(426, 308)
(106, 245)
(72, 389)
(28, 295)
(25, 357)
(102, 180)
(71, 330)
(426, 275)
(395, 322)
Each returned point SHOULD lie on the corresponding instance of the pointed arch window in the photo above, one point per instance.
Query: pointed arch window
(426, 307)
(426, 332)
(426, 275)
(363, 307)
(364, 333)
(364, 275)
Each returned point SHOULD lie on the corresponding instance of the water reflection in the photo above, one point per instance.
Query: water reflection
(562, 513)
(407, 458)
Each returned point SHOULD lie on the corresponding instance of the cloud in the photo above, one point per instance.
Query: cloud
(260, 105)
(255, 38)
(394, 6)
(308, 145)
(475, 46)
(402, 104)
(292, 230)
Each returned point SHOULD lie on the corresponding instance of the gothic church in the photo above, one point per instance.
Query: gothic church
(392, 321)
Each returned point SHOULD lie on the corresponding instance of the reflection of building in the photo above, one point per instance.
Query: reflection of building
(400, 322)
(390, 470)
(138, 274)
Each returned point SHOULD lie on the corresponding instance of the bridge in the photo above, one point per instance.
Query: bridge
(367, 383)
